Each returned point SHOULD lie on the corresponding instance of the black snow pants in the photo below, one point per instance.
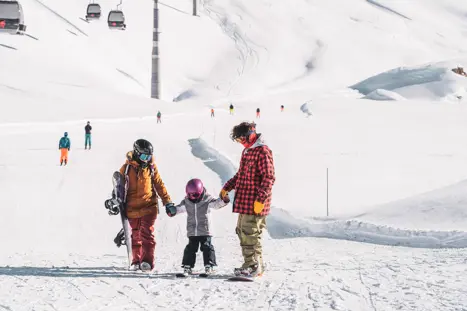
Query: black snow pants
(189, 255)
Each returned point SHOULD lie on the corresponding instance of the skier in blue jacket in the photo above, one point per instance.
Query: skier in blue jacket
(64, 146)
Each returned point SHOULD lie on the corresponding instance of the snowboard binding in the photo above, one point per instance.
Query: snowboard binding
(112, 205)
(120, 238)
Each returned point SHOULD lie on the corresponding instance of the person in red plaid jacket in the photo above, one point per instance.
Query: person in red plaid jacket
(253, 186)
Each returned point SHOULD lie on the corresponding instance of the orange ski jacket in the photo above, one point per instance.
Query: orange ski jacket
(143, 189)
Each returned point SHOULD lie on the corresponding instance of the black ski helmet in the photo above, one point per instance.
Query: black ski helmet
(142, 146)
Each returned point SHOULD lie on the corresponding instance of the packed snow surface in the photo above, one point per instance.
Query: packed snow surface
(389, 173)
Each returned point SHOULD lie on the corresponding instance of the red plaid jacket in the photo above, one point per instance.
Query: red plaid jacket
(254, 179)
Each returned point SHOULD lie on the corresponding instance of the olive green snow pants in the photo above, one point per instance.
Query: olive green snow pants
(249, 230)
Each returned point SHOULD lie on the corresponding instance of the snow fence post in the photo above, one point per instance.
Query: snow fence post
(327, 192)
(194, 7)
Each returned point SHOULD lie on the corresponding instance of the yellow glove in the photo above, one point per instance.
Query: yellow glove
(224, 195)
(258, 207)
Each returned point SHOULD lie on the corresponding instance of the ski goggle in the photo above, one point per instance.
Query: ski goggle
(145, 157)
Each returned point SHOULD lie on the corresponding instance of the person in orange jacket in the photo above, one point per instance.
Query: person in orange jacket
(144, 187)
(212, 112)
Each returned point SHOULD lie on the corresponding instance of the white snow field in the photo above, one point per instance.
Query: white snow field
(369, 98)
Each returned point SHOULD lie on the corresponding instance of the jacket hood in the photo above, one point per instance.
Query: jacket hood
(259, 142)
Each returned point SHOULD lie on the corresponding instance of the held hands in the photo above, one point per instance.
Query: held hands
(224, 195)
(170, 209)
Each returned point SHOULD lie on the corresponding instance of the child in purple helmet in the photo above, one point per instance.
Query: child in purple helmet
(198, 204)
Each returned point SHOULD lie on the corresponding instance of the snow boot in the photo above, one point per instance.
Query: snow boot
(252, 271)
(145, 267)
(135, 267)
(187, 270)
(208, 269)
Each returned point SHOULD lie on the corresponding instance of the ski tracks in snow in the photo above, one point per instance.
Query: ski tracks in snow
(387, 9)
(248, 55)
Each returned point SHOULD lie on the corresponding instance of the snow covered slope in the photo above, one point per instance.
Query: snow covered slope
(234, 48)
(429, 82)
(385, 159)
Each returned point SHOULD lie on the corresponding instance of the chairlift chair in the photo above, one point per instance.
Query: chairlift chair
(116, 20)
(11, 17)
(93, 11)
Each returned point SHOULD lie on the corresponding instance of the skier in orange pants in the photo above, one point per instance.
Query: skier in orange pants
(64, 146)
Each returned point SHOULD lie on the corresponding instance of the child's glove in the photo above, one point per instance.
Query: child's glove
(170, 209)
(224, 195)
(258, 207)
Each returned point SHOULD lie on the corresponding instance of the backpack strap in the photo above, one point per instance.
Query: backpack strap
(154, 192)
(151, 170)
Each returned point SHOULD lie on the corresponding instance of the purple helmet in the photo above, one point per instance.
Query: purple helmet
(194, 189)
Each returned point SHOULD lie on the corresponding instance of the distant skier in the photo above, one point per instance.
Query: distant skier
(460, 71)
(306, 109)
(64, 146)
(231, 108)
(159, 115)
(144, 187)
(198, 204)
(253, 191)
(212, 112)
(258, 113)
(282, 108)
(87, 136)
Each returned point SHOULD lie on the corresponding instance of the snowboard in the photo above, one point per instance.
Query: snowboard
(244, 278)
(116, 205)
(183, 275)
(197, 274)
(240, 278)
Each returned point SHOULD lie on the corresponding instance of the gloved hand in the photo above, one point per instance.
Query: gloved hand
(224, 195)
(258, 207)
(170, 209)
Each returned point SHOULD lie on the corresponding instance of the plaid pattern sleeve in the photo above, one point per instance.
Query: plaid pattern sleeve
(266, 171)
(232, 183)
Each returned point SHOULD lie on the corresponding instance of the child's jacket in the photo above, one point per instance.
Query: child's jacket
(198, 218)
